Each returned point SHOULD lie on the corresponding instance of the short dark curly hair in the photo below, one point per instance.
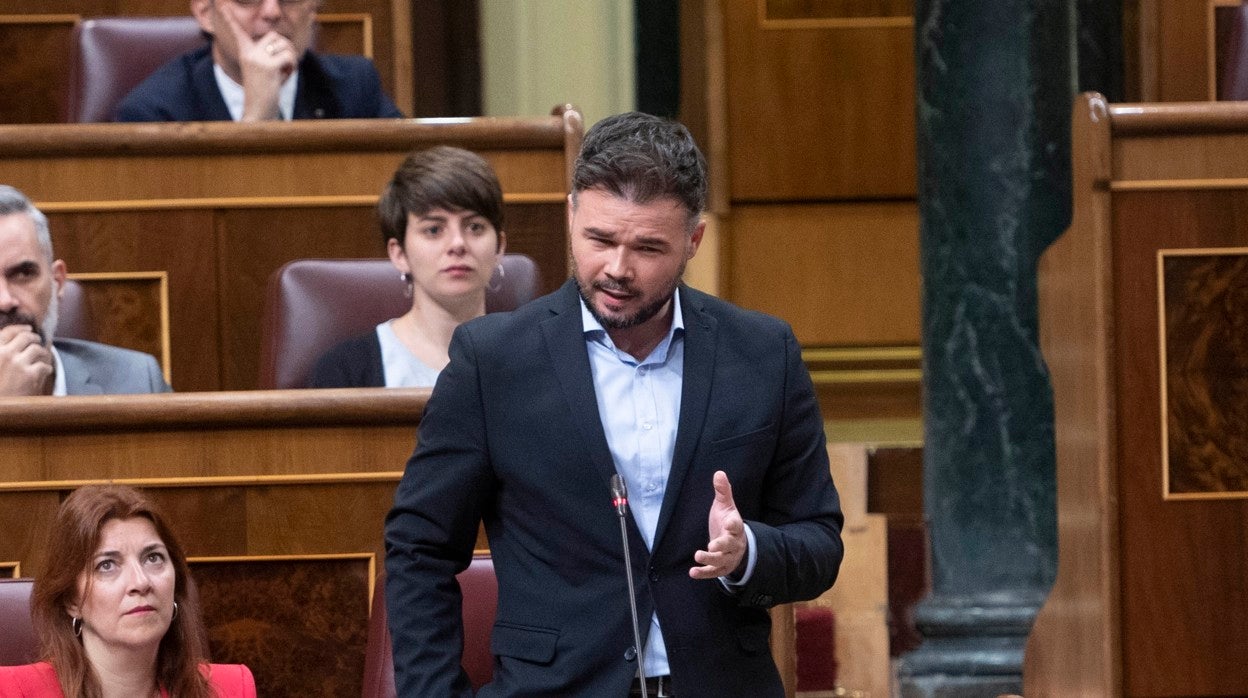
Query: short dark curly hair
(641, 158)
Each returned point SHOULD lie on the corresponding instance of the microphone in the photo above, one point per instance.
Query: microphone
(619, 499)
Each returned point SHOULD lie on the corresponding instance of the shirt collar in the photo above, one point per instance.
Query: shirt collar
(595, 332)
(232, 93)
(59, 386)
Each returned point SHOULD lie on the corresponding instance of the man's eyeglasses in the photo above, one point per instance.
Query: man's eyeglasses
(257, 3)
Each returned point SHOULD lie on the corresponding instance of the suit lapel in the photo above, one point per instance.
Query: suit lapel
(206, 90)
(78, 379)
(700, 346)
(313, 98)
(565, 340)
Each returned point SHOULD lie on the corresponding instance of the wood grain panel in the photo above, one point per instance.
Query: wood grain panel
(32, 76)
(172, 241)
(255, 242)
(1186, 632)
(128, 309)
(841, 274)
(853, 137)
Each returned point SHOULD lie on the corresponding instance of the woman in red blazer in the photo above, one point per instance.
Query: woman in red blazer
(113, 612)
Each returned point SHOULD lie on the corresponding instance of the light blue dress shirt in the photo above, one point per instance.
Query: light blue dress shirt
(639, 405)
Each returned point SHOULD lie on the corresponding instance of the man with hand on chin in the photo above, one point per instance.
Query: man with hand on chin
(31, 282)
(258, 66)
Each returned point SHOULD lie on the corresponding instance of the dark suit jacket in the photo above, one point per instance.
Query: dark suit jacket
(330, 87)
(40, 681)
(92, 368)
(511, 436)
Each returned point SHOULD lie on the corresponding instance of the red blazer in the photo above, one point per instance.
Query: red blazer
(39, 681)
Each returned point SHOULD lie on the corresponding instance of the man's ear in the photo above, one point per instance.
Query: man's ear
(695, 239)
(58, 277)
(202, 11)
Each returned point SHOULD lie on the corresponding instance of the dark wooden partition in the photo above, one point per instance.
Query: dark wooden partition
(220, 206)
(1143, 312)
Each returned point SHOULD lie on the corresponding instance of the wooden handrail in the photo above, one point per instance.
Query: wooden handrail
(253, 408)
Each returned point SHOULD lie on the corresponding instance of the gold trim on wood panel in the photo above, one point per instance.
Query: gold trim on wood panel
(14, 567)
(209, 481)
(1163, 377)
(830, 22)
(841, 377)
(40, 19)
(162, 280)
(258, 202)
(365, 21)
(1178, 184)
(864, 365)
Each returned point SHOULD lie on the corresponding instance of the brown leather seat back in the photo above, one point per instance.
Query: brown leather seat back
(480, 590)
(18, 644)
(112, 55)
(73, 314)
(312, 304)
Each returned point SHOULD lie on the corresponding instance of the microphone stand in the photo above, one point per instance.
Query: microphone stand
(619, 497)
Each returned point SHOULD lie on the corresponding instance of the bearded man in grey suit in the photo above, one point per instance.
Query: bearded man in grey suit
(31, 283)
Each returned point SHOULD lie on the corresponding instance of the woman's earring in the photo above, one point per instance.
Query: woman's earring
(407, 279)
(175, 610)
(76, 625)
(499, 275)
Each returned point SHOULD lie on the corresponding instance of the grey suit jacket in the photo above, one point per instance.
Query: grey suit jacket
(92, 368)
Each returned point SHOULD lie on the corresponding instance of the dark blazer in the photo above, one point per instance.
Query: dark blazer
(354, 363)
(330, 87)
(40, 681)
(511, 436)
(92, 368)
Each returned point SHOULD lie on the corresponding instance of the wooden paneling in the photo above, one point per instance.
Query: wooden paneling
(1186, 632)
(131, 310)
(33, 77)
(841, 274)
(814, 114)
(1149, 597)
(219, 207)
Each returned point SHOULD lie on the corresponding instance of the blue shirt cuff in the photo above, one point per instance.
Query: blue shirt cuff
(751, 558)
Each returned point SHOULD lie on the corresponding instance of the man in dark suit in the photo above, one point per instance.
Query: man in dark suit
(258, 67)
(31, 363)
(706, 411)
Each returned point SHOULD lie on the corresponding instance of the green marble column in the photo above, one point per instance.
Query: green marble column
(993, 120)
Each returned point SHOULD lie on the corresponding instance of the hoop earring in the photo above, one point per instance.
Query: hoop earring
(406, 278)
(76, 626)
(502, 273)
(175, 611)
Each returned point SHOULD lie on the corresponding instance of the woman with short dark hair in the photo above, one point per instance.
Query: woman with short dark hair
(442, 219)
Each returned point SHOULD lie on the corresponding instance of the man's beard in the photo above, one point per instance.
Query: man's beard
(643, 314)
(45, 330)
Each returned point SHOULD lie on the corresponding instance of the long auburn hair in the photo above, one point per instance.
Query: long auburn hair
(71, 546)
